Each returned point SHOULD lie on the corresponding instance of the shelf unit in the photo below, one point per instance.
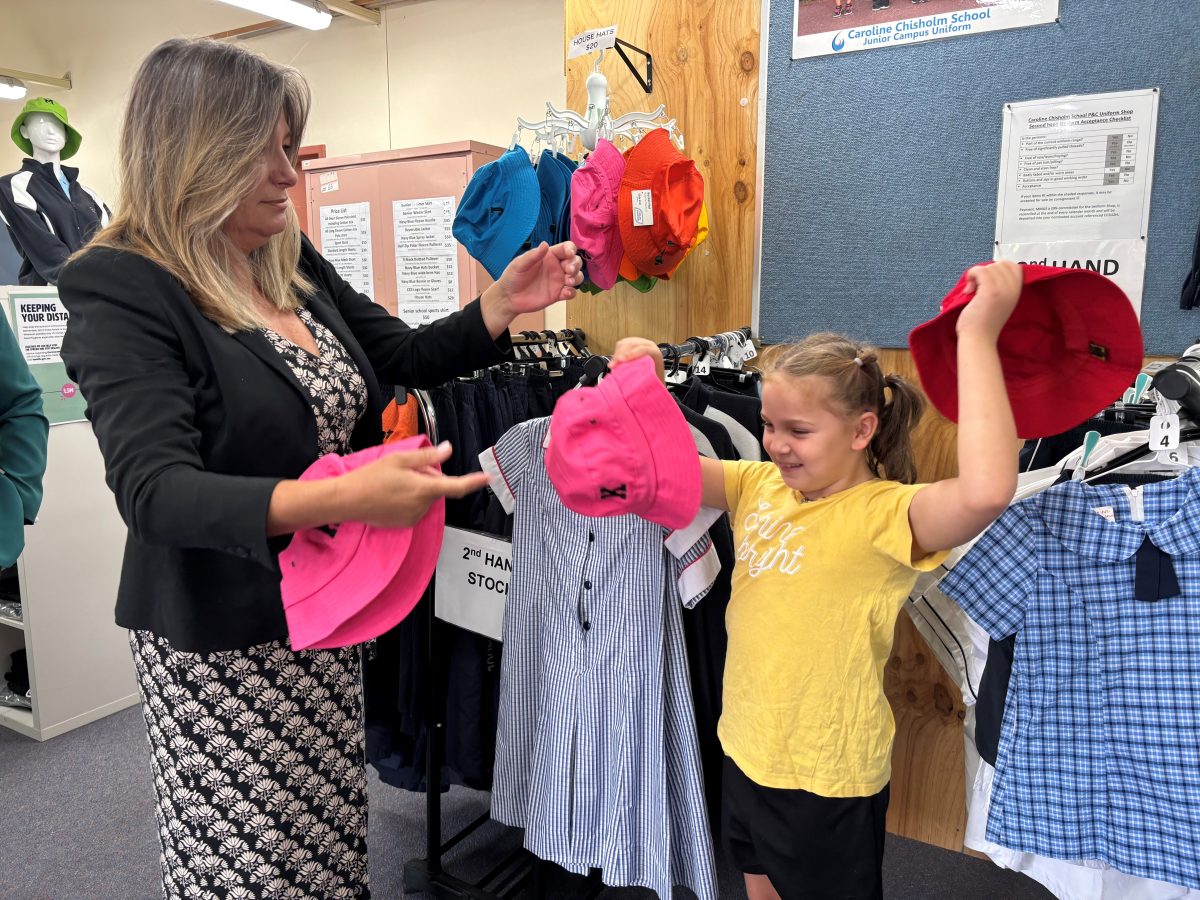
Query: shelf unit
(80, 666)
(414, 173)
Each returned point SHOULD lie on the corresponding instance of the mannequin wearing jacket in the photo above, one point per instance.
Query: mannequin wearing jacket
(49, 213)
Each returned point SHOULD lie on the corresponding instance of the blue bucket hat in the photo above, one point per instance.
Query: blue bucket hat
(498, 210)
(554, 185)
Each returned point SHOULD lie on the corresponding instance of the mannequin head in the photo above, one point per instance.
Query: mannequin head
(46, 135)
(42, 130)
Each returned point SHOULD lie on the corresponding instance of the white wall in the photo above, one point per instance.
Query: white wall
(434, 71)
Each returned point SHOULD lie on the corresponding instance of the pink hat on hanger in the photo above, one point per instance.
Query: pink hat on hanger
(594, 230)
(359, 581)
(624, 447)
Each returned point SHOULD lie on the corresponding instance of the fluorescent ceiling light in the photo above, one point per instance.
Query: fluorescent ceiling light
(305, 13)
(11, 88)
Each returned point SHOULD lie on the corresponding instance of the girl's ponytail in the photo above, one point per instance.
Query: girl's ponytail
(891, 451)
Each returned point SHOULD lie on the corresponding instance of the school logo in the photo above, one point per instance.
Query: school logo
(839, 41)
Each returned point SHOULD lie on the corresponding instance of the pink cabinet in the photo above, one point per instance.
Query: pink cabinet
(379, 180)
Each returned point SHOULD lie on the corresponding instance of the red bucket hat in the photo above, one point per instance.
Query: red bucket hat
(1071, 347)
(360, 581)
(676, 195)
(624, 447)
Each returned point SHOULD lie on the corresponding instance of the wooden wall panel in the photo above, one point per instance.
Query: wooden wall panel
(928, 790)
(706, 71)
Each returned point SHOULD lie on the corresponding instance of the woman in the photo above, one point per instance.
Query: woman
(217, 368)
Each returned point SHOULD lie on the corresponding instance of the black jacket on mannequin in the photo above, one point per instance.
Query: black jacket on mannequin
(45, 225)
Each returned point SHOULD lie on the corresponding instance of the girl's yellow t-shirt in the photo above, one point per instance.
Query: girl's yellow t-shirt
(817, 587)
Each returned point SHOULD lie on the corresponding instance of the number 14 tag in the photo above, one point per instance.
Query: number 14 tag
(1164, 432)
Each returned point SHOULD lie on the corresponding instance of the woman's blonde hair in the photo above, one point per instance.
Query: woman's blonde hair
(200, 115)
(858, 385)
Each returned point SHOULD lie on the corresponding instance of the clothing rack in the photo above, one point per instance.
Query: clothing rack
(518, 869)
(702, 346)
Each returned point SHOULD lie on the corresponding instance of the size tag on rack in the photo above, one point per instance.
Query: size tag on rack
(750, 351)
(643, 208)
(1164, 432)
(591, 41)
(702, 367)
(1177, 457)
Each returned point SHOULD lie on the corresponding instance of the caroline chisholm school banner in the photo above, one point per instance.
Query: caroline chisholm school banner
(824, 27)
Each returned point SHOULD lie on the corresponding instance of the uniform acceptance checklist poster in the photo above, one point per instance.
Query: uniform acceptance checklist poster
(1075, 177)
(426, 259)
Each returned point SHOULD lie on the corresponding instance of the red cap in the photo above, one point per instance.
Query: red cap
(1072, 346)
(624, 447)
(361, 581)
(676, 195)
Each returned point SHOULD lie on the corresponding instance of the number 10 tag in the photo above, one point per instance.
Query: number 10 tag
(1164, 432)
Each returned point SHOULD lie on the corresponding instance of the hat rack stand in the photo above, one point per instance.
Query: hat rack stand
(561, 128)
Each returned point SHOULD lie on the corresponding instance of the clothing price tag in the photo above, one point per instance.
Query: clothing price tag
(591, 41)
(1105, 512)
(1164, 432)
(471, 586)
(643, 209)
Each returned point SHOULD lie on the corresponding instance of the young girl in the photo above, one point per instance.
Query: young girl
(829, 536)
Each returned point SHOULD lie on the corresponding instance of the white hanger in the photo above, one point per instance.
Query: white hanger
(565, 125)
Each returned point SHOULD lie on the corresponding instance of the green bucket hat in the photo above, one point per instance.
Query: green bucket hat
(50, 108)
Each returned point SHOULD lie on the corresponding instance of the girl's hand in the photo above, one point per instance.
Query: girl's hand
(397, 490)
(631, 348)
(997, 288)
(534, 280)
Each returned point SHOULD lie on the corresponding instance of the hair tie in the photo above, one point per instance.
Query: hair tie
(858, 362)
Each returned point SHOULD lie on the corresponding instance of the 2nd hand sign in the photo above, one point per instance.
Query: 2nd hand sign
(591, 41)
(473, 573)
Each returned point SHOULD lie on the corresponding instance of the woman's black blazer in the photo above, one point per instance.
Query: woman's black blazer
(197, 426)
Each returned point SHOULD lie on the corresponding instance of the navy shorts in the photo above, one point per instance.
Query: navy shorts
(811, 847)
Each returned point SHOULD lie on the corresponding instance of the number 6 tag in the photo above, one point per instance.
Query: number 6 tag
(1164, 432)
(1175, 457)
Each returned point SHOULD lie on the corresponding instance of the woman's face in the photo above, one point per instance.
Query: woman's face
(262, 214)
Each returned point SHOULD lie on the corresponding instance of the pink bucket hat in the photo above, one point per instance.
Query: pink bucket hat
(624, 447)
(594, 213)
(361, 581)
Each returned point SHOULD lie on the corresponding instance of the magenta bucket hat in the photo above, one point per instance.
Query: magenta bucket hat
(594, 227)
(624, 447)
(359, 581)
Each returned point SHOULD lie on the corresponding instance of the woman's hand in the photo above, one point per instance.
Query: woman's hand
(631, 348)
(392, 492)
(997, 288)
(531, 282)
(397, 490)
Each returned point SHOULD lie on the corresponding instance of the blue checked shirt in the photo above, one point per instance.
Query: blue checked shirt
(596, 750)
(1099, 755)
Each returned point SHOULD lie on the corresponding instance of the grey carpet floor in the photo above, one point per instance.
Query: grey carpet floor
(77, 821)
